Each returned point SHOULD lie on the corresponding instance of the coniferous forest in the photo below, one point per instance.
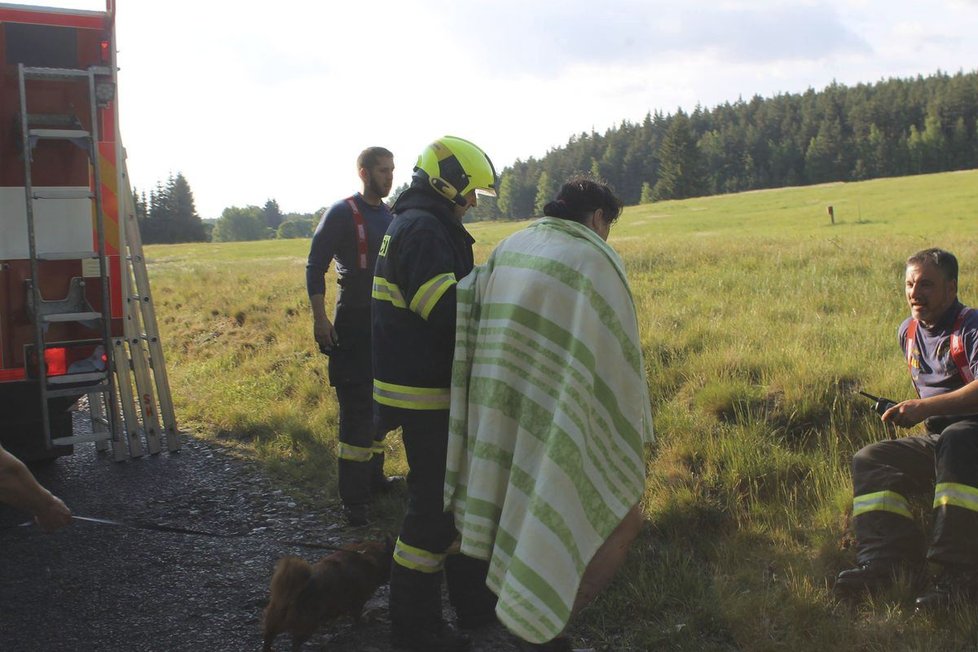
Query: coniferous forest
(890, 128)
(169, 215)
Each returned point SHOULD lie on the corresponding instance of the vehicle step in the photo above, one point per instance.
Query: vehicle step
(75, 391)
(62, 193)
(81, 439)
(71, 379)
(70, 316)
(66, 134)
(37, 72)
(67, 255)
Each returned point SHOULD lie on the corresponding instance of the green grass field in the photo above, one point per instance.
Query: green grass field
(759, 321)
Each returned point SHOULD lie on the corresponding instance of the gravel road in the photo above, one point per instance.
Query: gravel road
(94, 587)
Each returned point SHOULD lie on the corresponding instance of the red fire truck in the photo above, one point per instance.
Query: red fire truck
(64, 276)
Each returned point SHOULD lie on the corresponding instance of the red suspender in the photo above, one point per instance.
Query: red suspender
(958, 354)
(361, 230)
(910, 342)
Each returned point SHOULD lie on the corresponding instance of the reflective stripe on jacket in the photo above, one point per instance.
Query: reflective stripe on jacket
(424, 254)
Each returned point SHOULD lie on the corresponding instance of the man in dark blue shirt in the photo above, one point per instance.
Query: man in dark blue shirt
(940, 344)
(350, 233)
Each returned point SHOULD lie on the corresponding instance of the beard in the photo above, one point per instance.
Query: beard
(378, 188)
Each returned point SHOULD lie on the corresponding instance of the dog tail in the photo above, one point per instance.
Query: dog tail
(291, 574)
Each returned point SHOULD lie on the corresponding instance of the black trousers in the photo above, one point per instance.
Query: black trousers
(361, 460)
(945, 462)
(415, 596)
(426, 524)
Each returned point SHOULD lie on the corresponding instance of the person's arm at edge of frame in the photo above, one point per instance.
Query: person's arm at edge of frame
(19, 488)
(962, 401)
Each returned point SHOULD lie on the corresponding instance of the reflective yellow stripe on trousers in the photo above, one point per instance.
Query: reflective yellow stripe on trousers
(886, 501)
(355, 453)
(411, 398)
(959, 495)
(418, 559)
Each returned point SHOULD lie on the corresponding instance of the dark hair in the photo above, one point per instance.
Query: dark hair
(580, 196)
(368, 158)
(944, 260)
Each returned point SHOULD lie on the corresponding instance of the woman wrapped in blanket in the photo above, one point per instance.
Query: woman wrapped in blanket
(550, 415)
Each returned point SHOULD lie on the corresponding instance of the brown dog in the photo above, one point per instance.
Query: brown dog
(305, 596)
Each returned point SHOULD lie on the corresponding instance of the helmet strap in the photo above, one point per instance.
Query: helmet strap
(447, 191)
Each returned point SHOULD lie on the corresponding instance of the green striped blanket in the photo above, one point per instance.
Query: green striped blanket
(549, 417)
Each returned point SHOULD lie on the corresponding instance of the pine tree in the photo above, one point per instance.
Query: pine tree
(186, 225)
(171, 215)
(505, 196)
(823, 161)
(681, 173)
(646, 197)
(272, 215)
(546, 190)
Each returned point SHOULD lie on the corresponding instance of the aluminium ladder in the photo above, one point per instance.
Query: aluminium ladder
(145, 347)
(75, 307)
(132, 361)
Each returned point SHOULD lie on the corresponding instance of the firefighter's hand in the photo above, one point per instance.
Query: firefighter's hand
(53, 515)
(324, 333)
(906, 414)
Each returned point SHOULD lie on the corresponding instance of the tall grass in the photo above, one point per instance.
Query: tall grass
(760, 319)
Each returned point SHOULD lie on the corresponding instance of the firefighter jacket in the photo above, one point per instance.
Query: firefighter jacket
(425, 252)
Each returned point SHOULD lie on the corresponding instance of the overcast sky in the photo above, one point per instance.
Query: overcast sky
(258, 100)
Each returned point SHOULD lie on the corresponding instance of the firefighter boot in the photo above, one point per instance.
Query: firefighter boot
(953, 583)
(356, 515)
(873, 575)
(474, 603)
(415, 613)
(354, 489)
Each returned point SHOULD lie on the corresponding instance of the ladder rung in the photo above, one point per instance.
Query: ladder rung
(81, 439)
(58, 133)
(62, 193)
(75, 391)
(88, 377)
(34, 72)
(53, 121)
(71, 316)
(67, 255)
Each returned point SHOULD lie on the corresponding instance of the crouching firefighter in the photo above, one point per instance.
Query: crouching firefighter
(940, 344)
(425, 252)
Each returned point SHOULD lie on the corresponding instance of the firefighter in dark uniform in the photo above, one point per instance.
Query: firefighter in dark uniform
(425, 252)
(350, 232)
(940, 343)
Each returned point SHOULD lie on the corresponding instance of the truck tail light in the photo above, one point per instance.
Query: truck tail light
(67, 360)
(56, 361)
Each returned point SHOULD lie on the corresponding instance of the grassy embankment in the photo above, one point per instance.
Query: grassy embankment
(759, 320)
